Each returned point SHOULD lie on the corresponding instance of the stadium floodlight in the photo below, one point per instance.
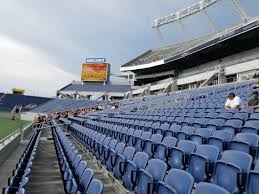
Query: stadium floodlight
(193, 9)
(178, 16)
(197, 7)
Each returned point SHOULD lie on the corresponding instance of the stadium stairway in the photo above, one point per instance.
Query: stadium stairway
(111, 185)
(45, 175)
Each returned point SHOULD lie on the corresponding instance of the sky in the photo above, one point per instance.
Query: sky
(44, 43)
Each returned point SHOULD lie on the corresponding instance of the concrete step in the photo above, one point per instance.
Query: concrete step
(45, 174)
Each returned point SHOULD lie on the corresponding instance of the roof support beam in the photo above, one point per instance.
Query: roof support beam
(239, 9)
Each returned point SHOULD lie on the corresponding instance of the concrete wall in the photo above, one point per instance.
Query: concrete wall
(11, 146)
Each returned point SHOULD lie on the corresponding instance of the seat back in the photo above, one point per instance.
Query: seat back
(180, 180)
(95, 187)
(86, 179)
(204, 188)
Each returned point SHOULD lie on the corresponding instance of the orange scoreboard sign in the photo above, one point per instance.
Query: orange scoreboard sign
(94, 72)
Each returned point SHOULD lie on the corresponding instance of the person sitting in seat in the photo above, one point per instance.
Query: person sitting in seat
(254, 101)
(233, 101)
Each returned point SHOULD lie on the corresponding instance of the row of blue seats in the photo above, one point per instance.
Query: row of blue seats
(78, 178)
(233, 125)
(20, 177)
(212, 115)
(115, 155)
(222, 139)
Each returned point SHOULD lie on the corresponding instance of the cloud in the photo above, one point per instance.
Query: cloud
(24, 67)
(64, 33)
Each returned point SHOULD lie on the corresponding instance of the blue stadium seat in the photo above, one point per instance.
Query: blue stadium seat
(150, 144)
(111, 157)
(231, 170)
(127, 154)
(201, 163)
(133, 138)
(95, 187)
(201, 122)
(173, 130)
(241, 116)
(220, 139)
(107, 145)
(254, 116)
(201, 135)
(140, 141)
(176, 182)
(164, 127)
(185, 132)
(232, 125)
(154, 172)
(85, 180)
(208, 188)
(139, 161)
(225, 115)
(245, 142)
(215, 124)
(162, 148)
(251, 126)
(252, 182)
(179, 155)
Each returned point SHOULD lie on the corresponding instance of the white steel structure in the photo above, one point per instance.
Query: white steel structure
(201, 6)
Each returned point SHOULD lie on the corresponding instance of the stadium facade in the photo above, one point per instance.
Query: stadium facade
(227, 56)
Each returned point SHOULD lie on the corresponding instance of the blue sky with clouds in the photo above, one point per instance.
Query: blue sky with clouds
(43, 43)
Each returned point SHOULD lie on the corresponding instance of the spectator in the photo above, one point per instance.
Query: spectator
(254, 102)
(233, 101)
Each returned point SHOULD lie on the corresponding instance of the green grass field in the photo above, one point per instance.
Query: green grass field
(8, 126)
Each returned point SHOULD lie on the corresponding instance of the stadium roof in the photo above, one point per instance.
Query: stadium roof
(163, 55)
(96, 87)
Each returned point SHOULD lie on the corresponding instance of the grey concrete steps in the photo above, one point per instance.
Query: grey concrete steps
(45, 174)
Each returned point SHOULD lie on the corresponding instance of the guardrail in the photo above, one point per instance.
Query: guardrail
(5, 141)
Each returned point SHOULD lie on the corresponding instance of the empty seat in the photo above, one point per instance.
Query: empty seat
(162, 148)
(173, 130)
(150, 144)
(198, 123)
(220, 139)
(233, 166)
(140, 141)
(240, 116)
(208, 188)
(201, 135)
(154, 172)
(201, 163)
(215, 124)
(232, 125)
(185, 132)
(252, 182)
(85, 180)
(176, 182)
(225, 115)
(251, 126)
(139, 161)
(112, 154)
(179, 155)
(254, 116)
(119, 165)
(245, 142)
(164, 127)
(95, 187)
